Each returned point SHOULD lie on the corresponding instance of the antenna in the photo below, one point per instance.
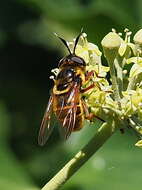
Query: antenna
(64, 42)
(76, 40)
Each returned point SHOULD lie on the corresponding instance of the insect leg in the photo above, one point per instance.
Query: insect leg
(89, 116)
(89, 75)
(88, 88)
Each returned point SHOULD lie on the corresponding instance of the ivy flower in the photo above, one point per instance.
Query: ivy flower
(115, 97)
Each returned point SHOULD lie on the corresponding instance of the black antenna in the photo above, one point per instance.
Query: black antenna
(76, 40)
(64, 42)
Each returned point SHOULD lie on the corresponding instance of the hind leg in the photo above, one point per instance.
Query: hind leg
(89, 116)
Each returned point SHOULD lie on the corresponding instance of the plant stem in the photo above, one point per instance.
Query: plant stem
(119, 74)
(115, 86)
(104, 132)
(111, 44)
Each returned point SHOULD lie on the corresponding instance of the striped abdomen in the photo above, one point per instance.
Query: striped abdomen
(64, 109)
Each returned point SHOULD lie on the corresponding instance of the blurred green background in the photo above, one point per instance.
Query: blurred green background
(28, 51)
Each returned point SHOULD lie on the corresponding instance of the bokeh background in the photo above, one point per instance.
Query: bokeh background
(28, 51)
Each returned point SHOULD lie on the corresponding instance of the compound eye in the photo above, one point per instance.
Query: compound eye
(78, 60)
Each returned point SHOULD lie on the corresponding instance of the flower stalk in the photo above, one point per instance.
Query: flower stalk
(111, 43)
(103, 134)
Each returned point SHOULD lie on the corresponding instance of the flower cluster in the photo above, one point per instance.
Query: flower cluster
(119, 97)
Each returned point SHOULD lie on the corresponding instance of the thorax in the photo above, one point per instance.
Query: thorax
(66, 77)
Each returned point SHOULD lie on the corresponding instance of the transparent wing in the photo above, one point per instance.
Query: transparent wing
(69, 112)
(46, 128)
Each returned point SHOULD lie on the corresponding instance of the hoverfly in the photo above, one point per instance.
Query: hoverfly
(66, 101)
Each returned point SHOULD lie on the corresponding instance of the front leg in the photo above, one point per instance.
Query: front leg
(88, 77)
(90, 74)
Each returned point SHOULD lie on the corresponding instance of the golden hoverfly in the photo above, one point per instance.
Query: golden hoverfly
(66, 101)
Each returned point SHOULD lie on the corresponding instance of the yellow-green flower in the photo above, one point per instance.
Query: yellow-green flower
(137, 66)
(96, 100)
(116, 97)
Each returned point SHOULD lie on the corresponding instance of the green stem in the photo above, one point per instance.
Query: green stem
(115, 86)
(104, 132)
(119, 71)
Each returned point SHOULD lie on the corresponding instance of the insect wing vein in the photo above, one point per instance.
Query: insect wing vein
(46, 129)
(69, 120)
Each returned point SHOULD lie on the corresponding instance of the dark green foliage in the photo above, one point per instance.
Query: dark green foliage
(28, 51)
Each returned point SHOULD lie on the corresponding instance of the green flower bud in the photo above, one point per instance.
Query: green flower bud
(111, 43)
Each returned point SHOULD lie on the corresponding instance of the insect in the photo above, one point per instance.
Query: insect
(66, 101)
